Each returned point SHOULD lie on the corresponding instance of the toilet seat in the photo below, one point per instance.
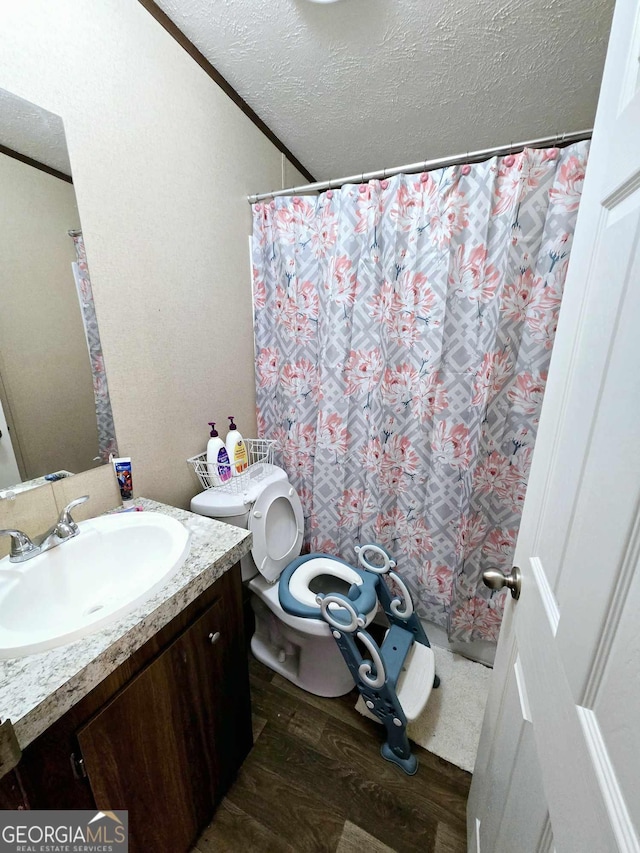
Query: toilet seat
(297, 599)
(277, 523)
(311, 569)
(268, 593)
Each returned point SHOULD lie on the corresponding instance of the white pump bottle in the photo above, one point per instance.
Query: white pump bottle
(218, 464)
(236, 449)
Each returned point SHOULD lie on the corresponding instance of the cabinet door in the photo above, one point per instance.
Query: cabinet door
(12, 795)
(167, 745)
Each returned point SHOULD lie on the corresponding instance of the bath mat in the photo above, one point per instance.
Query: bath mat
(450, 724)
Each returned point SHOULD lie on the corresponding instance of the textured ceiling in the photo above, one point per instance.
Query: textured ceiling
(365, 84)
(34, 132)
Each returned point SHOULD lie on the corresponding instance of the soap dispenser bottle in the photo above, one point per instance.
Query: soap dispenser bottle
(218, 464)
(236, 448)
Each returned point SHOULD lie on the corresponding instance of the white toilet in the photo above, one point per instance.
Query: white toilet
(301, 648)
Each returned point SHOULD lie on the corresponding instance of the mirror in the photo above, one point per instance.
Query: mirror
(55, 413)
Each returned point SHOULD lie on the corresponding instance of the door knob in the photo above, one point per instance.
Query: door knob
(213, 638)
(495, 579)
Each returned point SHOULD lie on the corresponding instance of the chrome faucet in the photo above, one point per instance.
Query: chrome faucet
(23, 548)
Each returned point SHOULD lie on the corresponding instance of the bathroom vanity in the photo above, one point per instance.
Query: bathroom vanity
(151, 714)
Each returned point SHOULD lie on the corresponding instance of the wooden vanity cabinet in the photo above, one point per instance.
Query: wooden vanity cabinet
(163, 736)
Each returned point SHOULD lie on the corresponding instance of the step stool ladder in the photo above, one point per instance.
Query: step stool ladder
(396, 682)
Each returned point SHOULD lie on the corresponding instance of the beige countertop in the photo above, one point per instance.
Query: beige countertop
(37, 690)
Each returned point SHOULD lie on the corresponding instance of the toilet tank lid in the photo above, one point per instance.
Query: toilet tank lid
(237, 497)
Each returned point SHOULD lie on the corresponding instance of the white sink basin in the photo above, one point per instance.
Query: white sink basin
(114, 564)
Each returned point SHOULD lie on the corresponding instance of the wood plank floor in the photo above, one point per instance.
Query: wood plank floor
(315, 781)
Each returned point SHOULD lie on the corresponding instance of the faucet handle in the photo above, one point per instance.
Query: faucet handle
(65, 516)
(21, 545)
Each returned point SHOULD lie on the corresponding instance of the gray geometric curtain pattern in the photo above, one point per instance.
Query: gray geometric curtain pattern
(106, 428)
(403, 335)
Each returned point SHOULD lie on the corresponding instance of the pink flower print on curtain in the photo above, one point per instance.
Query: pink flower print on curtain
(403, 337)
(471, 276)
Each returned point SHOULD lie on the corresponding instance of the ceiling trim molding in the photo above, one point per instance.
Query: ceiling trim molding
(35, 163)
(165, 21)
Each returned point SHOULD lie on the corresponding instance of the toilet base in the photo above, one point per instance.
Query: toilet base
(313, 663)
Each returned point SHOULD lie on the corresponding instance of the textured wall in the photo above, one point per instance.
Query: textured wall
(162, 162)
(365, 84)
(32, 131)
(44, 362)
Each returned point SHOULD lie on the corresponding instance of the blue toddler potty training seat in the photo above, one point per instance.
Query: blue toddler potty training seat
(394, 678)
(297, 598)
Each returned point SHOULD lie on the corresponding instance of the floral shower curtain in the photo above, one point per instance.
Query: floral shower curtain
(106, 428)
(403, 335)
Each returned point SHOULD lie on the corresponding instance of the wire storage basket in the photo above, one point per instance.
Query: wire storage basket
(259, 454)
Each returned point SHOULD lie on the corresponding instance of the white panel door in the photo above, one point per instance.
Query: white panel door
(9, 474)
(558, 766)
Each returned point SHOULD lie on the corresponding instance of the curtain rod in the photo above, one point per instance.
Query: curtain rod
(428, 165)
(75, 233)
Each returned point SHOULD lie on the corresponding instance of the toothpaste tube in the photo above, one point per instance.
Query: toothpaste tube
(122, 468)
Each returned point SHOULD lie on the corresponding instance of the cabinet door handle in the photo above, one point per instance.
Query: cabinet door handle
(213, 638)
